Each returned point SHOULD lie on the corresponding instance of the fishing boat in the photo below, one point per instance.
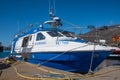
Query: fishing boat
(51, 46)
(115, 54)
(117, 51)
(1, 47)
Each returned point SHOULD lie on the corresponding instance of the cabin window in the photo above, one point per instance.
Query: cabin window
(54, 34)
(68, 34)
(25, 41)
(40, 36)
(30, 38)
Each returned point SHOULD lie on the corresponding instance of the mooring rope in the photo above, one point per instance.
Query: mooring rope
(91, 61)
(62, 54)
(79, 77)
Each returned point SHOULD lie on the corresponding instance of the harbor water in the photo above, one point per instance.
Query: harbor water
(5, 53)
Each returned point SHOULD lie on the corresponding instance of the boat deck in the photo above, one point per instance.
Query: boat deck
(26, 71)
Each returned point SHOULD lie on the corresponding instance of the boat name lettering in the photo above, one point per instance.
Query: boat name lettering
(39, 43)
(62, 42)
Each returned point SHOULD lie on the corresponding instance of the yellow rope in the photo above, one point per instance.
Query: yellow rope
(101, 73)
(46, 70)
(31, 78)
(23, 75)
(53, 72)
(81, 77)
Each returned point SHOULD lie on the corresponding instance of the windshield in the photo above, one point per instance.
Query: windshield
(68, 34)
(54, 34)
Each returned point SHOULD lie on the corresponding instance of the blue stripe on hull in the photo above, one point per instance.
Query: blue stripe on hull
(70, 61)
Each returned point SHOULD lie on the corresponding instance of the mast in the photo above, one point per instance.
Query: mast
(54, 21)
(52, 8)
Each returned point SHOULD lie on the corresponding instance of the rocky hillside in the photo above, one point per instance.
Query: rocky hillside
(103, 33)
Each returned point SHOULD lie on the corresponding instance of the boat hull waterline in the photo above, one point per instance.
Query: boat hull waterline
(69, 61)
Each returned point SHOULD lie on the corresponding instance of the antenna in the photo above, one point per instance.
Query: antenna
(54, 21)
(52, 8)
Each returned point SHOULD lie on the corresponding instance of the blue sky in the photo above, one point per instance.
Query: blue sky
(17, 14)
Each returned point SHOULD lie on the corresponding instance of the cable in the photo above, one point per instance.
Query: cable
(61, 54)
(92, 56)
